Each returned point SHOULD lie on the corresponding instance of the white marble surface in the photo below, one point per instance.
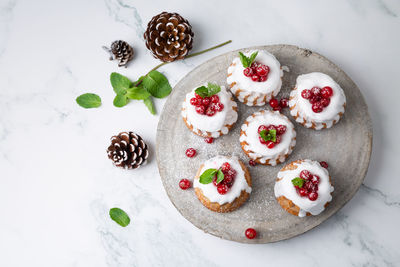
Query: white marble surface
(57, 185)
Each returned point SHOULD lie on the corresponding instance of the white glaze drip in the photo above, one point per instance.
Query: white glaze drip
(210, 190)
(302, 107)
(284, 187)
(219, 122)
(260, 151)
(251, 90)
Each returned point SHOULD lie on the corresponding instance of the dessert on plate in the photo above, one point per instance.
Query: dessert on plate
(255, 77)
(267, 137)
(317, 101)
(303, 188)
(222, 184)
(209, 110)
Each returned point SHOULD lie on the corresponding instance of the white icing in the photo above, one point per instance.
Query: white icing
(251, 90)
(261, 151)
(216, 123)
(210, 190)
(302, 107)
(284, 187)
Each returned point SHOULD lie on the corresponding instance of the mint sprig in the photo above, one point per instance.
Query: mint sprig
(89, 100)
(119, 216)
(208, 175)
(208, 91)
(298, 182)
(247, 61)
(268, 135)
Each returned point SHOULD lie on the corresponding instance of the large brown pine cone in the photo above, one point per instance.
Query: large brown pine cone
(169, 36)
(128, 150)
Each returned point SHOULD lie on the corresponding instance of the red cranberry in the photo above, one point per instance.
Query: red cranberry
(228, 180)
(262, 141)
(215, 99)
(255, 78)
(283, 103)
(278, 139)
(306, 93)
(323, 164)
(209, 140)
(281, 129)
(304, 174)
(316, 107)
(252, 163)
(248, 72)
(222, 189)
(326, 92)
(215, 181)
(273, 103)
(309, 186)
(262, 70)
(325, 102)
(263, 78)
(232, 173)
(316, 91)
(197, 96)
(271, 127)
(219, 106)
(315, 179)
(270, 144)
(262, 128)
(184, 184)
(313, 196)
(210, 111)
(206, 101)
(303, 192)
(200, 109)
(278, 108)
(225, 167)
(314, 99)
(190, 152)
(194, 101)
(254, 65)
(250, 233)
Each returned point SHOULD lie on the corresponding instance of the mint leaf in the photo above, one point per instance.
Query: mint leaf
(207, 176)
(120, 101)
(268, 135)
(157, 84)
(202, 91)
(119, 216)
(252, 57)
(208, 91)
(298, 182)
(138, 93)
(120, 83)
(89, 100)
(149, 104)
(220, 176)
(246, 61)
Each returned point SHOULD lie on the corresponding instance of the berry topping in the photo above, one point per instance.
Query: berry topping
(197, 96)
(200, 109)
(315, 179)
(215, 99)
(313, 196)
(323, 164)
(219, 106)
(318, 98)
(262, 70)
(271, 127)
(206, 101)
(207, 105)
(270, 144)
(190, 152)
(194, 101)
(304, 174)
(248, 72)
(278, 139)
(307, 185)
(271, 135)
(255, 77)
(283, 103)
(325, 102)
(316, 91)
(222, 189)
(326, 92)
(257, 72)
(250, 233)
(281, 129)
(274, 103)
(184, 184)
(306, 93)
(210, 111)
(225, 167)
(303, 192)
(262, 128)
(317, 107)
(209, 140)
(252, 163)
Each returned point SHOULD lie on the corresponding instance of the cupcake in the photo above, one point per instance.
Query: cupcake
(222, 184)
(317, 101)
(267, 137)
(209, 110)
(303, 188)
(255, 77)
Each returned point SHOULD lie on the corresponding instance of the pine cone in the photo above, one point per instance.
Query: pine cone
(128, 150)
(169, 36)
(120, 50)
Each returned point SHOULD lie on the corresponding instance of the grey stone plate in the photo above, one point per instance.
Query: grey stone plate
(346, 147)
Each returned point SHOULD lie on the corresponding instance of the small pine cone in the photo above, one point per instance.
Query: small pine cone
(169, 36)
(128, 150)
(121, 51)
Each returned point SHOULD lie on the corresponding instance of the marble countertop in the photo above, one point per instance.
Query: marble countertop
(57, 184)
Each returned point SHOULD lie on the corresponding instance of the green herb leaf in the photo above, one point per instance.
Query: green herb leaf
(220, 176)
(208, 91)
(120, 83)
(268, 135)
(207, 176)
(149, 104)
(120, 101)
(119, 216)
(137, 93)
(157, 84)
(298, 182)
(89, 100)
(246, 61)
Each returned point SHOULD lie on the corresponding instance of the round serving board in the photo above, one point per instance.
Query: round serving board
(346, 147)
